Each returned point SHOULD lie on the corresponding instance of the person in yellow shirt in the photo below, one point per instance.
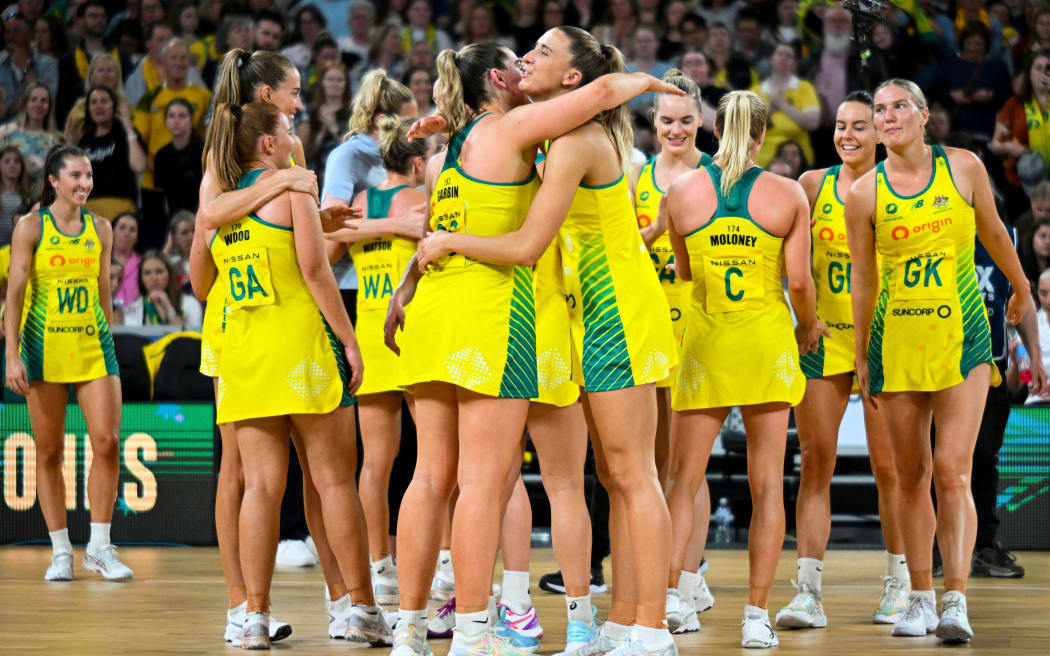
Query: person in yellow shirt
(149, 114)
(793, 103)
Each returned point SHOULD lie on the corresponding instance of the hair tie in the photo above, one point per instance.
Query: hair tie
(243, 58)
(237, 112)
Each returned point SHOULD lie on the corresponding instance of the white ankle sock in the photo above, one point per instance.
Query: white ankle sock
(493, 611)
(809, 572)
(617, 632)
(60, 541)
(928, 595)
(445, 562)
(651, 638)
(416, 617)
(386, 564)
(687, 582)
(755, 613)
(516, 591)
(341, 604)
(897, 567)
(580, 609)
(473, 623)
(99, 535)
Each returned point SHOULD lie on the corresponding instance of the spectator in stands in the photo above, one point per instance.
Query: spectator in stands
(1036, 40)
(104, 72)
(719, 11)
(152, 11)
(177, 166)
(150, 118)
(581, 13)
(117, 156)
(177, 248)
(1035, 255)
(235, 31)
(308, 23)
(898, 61)
(781, 167)
(792, 153)
(481, 27)
(33, 131)
(1043, 321)
(694, 33)
(968, 12)
(420, 56)
(20, 66)
(938, 125)
(15, 199)
(160, 302)
(361, 17)
(125, 237)
(419, 27)
(972, 84)
(671, 27)
(648, 11)
(49, 38)
(834, 68)
(329, 114)
(644, 45)
(1038, 214)
(749, 43)
(618, 25)
(325, 50)
(1022, 126)
(420, 82)
(386, 52)
(185, 20)
(783, 28)
(269, 30)
(149, 73)
(728, 70)
(526, 26)
(698, 68)
(793, 104)
(391, 12)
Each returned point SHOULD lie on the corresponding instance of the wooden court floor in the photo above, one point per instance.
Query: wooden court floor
(177, 601)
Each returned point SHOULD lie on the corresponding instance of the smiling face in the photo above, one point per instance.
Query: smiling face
(855, 136)
(898, 117)
(39, 104)
(74, 182)
(421, 86)
(545, 67)
(286, 97)
(676, 120)
(334, 84)
(695, 65)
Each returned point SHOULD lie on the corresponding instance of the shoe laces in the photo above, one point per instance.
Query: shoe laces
(891, 587)
(953, 605)
(107, 553)
(802, 589)
(447, 609)
(628, 647)
(915, 608)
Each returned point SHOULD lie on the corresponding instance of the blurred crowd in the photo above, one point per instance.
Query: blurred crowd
(129, 82)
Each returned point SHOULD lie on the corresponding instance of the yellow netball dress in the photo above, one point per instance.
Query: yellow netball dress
(930, 326)
(647, 196)
(739, 346)
(831, 274)
(621, 326)
(278, 355)
(65, 335)
(212, 328)
(379, 263)
(473, 324)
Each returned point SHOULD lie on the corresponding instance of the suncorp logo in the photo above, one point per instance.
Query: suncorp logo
(935, 226)
(943, 312)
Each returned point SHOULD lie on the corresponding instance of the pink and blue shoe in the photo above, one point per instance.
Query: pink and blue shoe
(526, 624)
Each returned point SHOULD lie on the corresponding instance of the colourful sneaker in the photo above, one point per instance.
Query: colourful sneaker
(410, 641)
(512, 636)
(636, 648)
(526, 624)
(599, 645)
(444, 622)
(804, 612)
(486, 643)
(367, 625)
(578, 634)
(894, 601)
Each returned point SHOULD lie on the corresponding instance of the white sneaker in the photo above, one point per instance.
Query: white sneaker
(673, 610)
(894, 601)
(294, 553)
(255, 634)
(410, 641)
(632, 647)
(235, 622)
(309, 542)
(805, 610)
(61, 567)
(105, 562)
(367, 626)
(443, 587)
(757, 633)
(599, 645)
(384, 584)
(919, 619)
(703, 600)
(954, 627)
(338, 616)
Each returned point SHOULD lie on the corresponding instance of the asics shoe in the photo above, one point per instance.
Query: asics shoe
(235, 618)
(805, 610)
(954, 627)
(410, 641)
(61, 567)
(918, 619)
(578, 634)
(599, 644)
(368, 626)
(632, 647)
(255, 634)
(443, 587)
(384, 585)
(106, 562)
(338, 616)
(444, 622)
(486, 643)
(703, 600)
(894, 600)
(995, 560)
(526, 624)
(756, 633)
(515, 639)
(294, 553)
(689, 620)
